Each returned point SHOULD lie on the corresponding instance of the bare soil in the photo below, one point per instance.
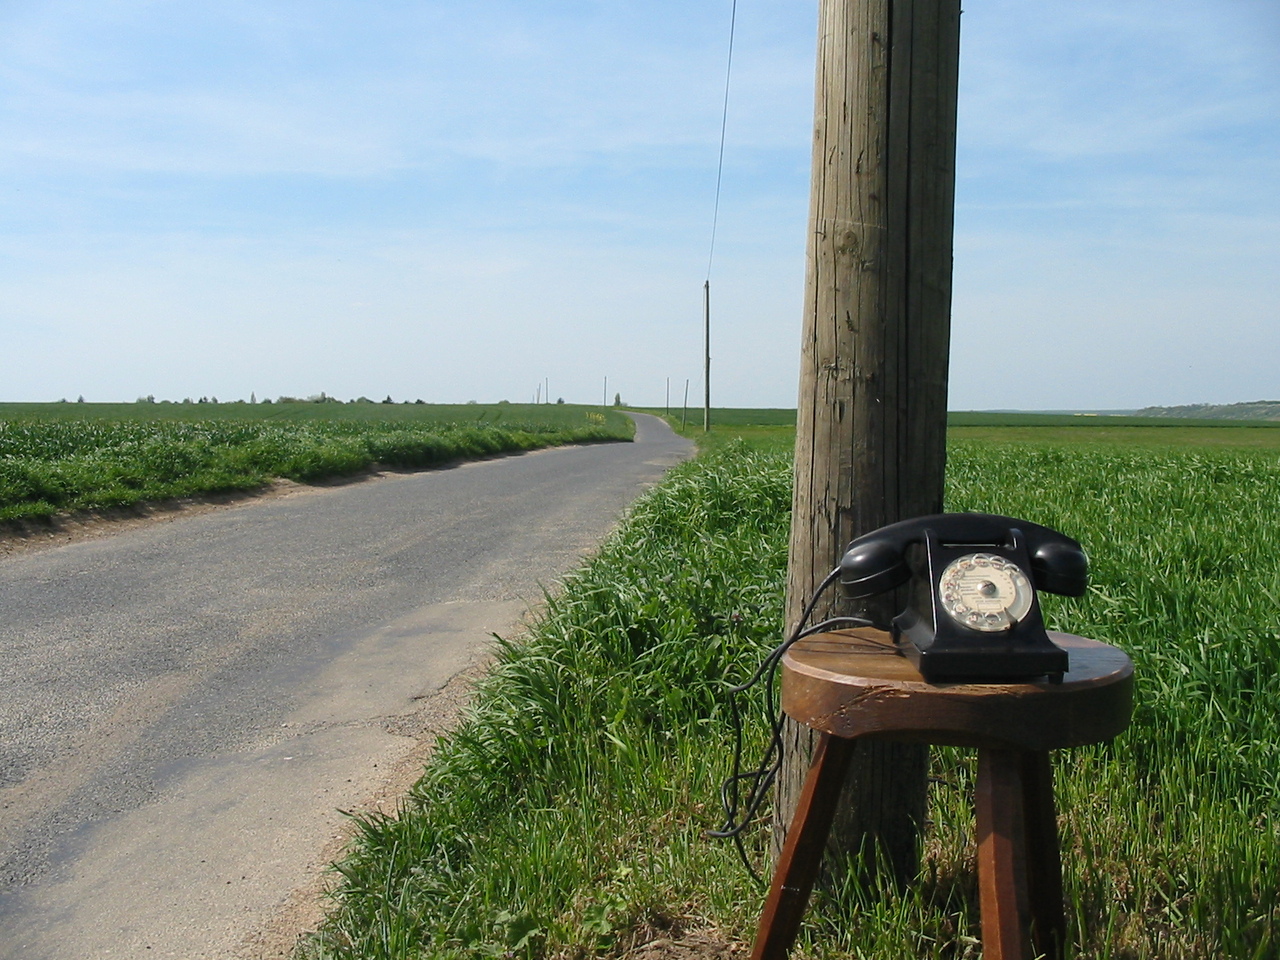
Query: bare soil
(691, 945)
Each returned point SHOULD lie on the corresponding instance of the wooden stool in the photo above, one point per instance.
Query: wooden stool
(851, 684)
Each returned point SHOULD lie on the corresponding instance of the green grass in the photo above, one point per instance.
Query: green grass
(57, 458)
(569, 807)
(1172, 436)
(1171, 833)
(564, 818)
(775, 429)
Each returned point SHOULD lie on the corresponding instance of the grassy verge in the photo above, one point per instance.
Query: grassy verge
(119, 455)
(565, 817)
(567, 812)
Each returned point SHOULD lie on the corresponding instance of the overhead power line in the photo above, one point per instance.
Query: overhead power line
(724, 123)
(715, 216)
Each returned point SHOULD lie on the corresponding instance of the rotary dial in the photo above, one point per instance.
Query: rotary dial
(985, 592)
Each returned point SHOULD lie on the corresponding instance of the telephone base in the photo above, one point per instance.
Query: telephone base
(972, 660)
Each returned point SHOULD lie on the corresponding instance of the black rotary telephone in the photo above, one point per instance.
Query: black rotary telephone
(972, 612)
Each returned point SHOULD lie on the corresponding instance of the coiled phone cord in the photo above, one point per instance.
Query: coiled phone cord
(738, 816)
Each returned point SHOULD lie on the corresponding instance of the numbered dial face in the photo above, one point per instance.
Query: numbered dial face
(985, 592)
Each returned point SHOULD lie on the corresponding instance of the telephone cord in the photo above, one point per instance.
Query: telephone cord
(762, 778)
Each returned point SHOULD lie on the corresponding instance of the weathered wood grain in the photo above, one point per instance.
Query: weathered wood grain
(871, 417)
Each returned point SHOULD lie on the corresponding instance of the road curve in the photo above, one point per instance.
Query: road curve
(185, 707)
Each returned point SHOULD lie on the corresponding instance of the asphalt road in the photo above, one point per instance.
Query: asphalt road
(186, 706)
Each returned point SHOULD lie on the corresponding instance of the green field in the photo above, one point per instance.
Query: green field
(780, 416)
(1114, 431)
(998, 418)
(776, 427)
(542, 415)
(566, 816)
(66, 457)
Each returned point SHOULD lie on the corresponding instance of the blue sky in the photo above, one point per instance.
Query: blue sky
(461, 200)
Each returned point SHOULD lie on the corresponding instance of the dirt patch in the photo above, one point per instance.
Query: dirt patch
(692, 945)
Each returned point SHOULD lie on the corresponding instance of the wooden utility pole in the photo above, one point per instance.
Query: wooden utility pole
(706, 356)
(871, 418)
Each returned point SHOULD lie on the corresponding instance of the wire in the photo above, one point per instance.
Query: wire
(776, 654)
(740, 812)
(724, 123)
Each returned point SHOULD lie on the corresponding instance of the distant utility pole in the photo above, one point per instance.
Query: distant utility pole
(684, 413)
(706, 354)
(604, 397)
(871, 418)
(666, 410)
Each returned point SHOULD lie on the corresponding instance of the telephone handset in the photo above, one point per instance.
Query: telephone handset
(972, 612)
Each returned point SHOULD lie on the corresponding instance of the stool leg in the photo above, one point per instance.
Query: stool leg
(1044, 860)
(1002, 866)
(797, 867)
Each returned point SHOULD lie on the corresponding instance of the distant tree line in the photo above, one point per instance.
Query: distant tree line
(315, 398)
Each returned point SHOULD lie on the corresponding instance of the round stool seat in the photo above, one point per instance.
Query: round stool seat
(855, 684)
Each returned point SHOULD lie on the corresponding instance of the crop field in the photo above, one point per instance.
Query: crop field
(566, 816)
(70, 456)
(541, 414)
(775, 429)
(1061, 425)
